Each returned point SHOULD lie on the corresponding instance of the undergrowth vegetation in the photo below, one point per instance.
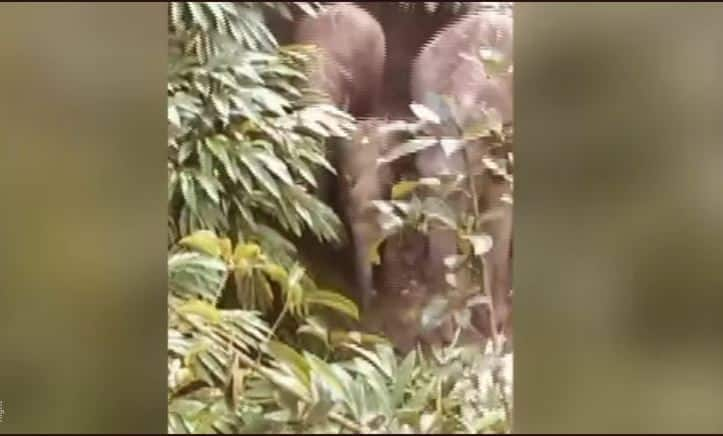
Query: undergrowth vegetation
(247, 139)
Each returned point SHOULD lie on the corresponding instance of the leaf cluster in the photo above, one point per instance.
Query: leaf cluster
(247, 142)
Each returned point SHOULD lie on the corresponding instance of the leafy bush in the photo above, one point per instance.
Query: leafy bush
(227, 373)
(246, 145)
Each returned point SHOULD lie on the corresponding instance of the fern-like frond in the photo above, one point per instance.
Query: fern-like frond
(245, 142)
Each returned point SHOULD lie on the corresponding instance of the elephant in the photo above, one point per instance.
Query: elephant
(354, 54)
(353, 50)
(362, 179)
(450, 65)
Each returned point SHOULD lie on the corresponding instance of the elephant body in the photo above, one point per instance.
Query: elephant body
(371, 75)
(352, 46)
(360, 182)
(451, 65)
(353, 49)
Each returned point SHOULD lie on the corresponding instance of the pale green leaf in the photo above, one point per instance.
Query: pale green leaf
(261, 175)
(334, 301)
(276, 166)
(203, 309)
(205, 241)
(295, 361)
(189, 194)
(403, 188)
(327, 376)
(209, 186)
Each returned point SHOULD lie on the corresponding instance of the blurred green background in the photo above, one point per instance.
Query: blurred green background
(619, 219)
(82, 182)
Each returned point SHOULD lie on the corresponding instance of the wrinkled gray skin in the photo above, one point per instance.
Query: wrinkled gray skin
(353, 48)
(450, 65)
(361, 182)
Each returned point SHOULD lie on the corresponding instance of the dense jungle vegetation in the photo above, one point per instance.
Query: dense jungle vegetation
(247, 139)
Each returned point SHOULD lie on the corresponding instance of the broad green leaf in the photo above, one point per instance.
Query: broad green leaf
(303, 213)
(234, 388)
(189, 194)
(340, 337)
(334, 301)
(281, 416)
(205, 241)
(275, 272)
(318, 412)
(402, 378)
(246, 107)
(285, 381)
(173, 116)
(376, 380)
(209, 186)
(386, 354)
(263, 284)
(217, 145)
(247, 251)
(357, 392)
(212, 365)
(403, 188)
(371, 357)
(270, 100)
(227, 80)
(276, 166)
(316, 328)
(225, 245)
(293, 359)
(296, 273)
(187, 408)
(303, 170)
(222, 107)
(261, 175)
(203, 309)
(326, 375)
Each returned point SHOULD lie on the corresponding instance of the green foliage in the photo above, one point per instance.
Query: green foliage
(246, 144)
(248, 381)
(485, 145)
(428, 203)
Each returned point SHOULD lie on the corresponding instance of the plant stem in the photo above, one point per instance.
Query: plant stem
(497, 349)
